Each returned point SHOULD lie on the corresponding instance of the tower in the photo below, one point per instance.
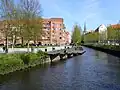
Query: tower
(84, 28)
(84, 32)
(119, 22)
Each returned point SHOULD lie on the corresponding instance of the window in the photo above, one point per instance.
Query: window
(48, 28)
(45, 27)
(53, 24)
(53, 31)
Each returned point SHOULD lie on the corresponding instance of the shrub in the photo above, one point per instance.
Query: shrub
(30, 58)
(25, 58)
(10, 62)
(13, 62)
(41, 53)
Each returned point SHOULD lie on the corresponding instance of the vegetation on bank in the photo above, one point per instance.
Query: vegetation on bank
(112, 35)
(13, 62)
(111, 47)
(76, 35)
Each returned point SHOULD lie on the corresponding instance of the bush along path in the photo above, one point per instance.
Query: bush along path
(13, 62)
(111, 49)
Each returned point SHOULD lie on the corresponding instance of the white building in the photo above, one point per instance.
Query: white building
(102, 29)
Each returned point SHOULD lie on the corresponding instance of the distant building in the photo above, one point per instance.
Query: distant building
(114, 26)
(102, 29)
(54, 32)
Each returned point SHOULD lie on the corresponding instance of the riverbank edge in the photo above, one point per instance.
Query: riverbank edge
(45, 61)
(112, 52)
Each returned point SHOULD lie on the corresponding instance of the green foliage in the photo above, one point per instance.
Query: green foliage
(76, 35)
(110, 33)
(13, 62)
(25, 58)
(10, 62)
(111, 47)
(91, 37)
(29, 58)
(25, 17)
(113, 33)
(43, 54)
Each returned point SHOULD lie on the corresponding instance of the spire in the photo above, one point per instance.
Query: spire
(84, 28)
(119, 22)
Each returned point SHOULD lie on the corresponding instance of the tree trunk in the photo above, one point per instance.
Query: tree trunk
(28, 46)
(22, 41)
(6, 47)
(13, 40)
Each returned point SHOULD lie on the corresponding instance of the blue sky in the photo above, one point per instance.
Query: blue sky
(94, 12)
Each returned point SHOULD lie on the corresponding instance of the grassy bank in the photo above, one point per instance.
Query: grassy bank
(111, 49)
(13, 62)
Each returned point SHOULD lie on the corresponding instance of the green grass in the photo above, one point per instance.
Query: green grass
(111, 47)
(12, 62)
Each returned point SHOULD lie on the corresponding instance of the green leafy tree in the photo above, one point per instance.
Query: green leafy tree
(111, 33)
(76, 35)
(91, 37)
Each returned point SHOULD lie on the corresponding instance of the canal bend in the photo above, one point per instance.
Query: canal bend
(94, 70)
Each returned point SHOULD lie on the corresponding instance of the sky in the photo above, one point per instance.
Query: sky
(93, 12)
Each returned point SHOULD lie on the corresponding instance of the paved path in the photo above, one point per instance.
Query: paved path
(20, 50)
(71, 50)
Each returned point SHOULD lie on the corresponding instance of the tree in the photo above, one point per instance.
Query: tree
(91, 37)
(82, 38)
(111, 33)
(21, 20)
(6, 14)
(76, 35)
(31, 15)
(37, 29)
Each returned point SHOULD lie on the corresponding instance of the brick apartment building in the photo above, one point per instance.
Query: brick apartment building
(54, 32)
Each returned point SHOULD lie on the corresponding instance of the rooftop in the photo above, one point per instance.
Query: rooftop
(115, 26)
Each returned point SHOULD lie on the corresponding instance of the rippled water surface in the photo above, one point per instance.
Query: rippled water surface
(93, 70)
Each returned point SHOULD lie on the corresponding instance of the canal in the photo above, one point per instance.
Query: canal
(94, 70)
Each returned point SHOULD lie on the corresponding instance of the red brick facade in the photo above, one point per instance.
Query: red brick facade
(54, 32)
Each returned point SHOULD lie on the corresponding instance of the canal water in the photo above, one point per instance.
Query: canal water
(93, 70)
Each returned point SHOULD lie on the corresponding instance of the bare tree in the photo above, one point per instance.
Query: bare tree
(31, 11)
(6, 14)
